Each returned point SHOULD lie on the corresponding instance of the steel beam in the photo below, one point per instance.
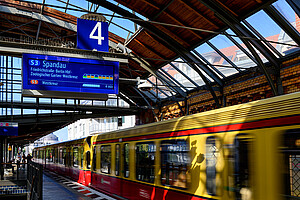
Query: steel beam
(173, 79)
(137, 90)
(171, 84)
(283, 23)
(186, 76)
(262, 38)
(223, 56)
(229, 19)
(295, 4)
(208, 63)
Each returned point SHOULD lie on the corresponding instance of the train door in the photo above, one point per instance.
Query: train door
(118, 187)
(240, 168)
(87, 176)
(125, 169)
(291, 171)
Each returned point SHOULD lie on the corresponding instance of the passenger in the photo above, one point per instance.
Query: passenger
(23, 160)
(18, 158)
(29, 158)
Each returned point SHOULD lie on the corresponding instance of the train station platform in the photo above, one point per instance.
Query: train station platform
(13, 186)
(57, 187)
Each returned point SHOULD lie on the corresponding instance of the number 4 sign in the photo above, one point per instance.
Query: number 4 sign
(92, 35)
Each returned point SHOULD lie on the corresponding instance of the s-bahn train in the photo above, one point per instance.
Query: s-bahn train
(244, 152)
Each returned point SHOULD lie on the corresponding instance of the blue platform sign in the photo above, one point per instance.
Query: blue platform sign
(68, 74)
(8, 129)
(92, 35)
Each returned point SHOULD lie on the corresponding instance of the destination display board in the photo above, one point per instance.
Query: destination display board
(8, 129)
(68, 74)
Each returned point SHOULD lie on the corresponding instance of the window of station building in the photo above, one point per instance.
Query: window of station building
(117, 171)
(75, 157)
(145, 155)
(291, 164)
(126, 160)
(94, 164)
(105, 159)
(175, 163)
(211, 155)
(240, 166)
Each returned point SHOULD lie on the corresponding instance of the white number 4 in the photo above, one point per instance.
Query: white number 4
(97, 37)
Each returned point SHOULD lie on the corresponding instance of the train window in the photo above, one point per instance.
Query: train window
(117, 160)
(57, 155)
(105, 159)
(64, 155)
(175, 162)
(61, 156)
(211, 155)
(68, 156)
(291, 152)
(75, 157)
(240, 164)
(88, 160)
(126, 160)
(145, 154)
(94, 159)
(52, 155)
(81, 157)
(48, 155)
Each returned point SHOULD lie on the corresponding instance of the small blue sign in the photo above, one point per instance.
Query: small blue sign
(8, 129)
(67, 74)
(92, 35)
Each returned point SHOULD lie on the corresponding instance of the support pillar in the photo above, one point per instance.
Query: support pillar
(1, 158)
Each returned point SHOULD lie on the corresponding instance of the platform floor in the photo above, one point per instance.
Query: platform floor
(56, 187)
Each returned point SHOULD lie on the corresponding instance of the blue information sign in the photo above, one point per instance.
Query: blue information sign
(92, 35)
(55, 73)
(8, 129)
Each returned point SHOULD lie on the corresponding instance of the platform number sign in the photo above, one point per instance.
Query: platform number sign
(92, 35)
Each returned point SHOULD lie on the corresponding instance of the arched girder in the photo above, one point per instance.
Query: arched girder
(171, 43)
(154, 72)
(235, 25)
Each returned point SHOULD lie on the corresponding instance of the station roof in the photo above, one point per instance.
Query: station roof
(176, 46)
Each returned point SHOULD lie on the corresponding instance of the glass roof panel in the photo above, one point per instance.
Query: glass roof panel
(284, 8)
(161, 91)
(179, 77)
(216, 59)
(190, 72)
(172, 72)
(242, 54)
(271, 31)
(233, 53)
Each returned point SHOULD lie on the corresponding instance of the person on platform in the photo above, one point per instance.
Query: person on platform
(29, 157)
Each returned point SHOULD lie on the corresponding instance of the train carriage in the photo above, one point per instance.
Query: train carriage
(248, 152)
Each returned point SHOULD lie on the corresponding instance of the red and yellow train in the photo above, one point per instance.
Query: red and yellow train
(243, 152)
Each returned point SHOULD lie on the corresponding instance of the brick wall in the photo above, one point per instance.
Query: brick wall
(242, 89)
